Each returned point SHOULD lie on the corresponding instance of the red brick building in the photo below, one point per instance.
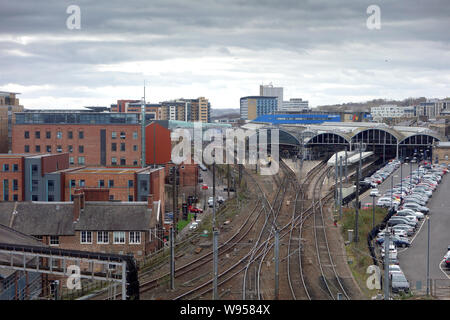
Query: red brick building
(94, 139)
(12, 179)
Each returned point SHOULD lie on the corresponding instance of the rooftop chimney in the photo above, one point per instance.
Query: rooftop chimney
(76, 206)
(150, 201)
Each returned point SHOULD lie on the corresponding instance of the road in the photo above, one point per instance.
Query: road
(413, 261)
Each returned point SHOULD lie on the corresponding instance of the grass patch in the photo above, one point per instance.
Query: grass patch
(358, 253)
(183, 223)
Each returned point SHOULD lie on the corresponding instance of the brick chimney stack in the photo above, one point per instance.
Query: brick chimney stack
(150, 201)
(76, 206)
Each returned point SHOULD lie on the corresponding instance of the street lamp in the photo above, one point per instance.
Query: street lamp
(392, 187)
(428, 257)
(373, 210)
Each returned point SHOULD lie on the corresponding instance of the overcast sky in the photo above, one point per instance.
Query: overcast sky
(318, 50)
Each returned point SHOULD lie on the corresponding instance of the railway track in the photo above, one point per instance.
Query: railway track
(329, 275)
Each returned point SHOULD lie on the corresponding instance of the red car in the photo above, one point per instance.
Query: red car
(204, 187)
(194, 209)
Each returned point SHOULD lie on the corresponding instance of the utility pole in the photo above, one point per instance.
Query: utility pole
(373, 211)
(215, 237)
(401, 176)
(277, 262)
(172, 259)
(174, 198)
(336, 183)
(143, 131)
(357, 206)
(428, 258)
(386, 263)
(346, 170)
(228, 181)
(340, 192)
(215, 263)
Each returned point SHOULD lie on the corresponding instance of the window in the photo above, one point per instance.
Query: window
(49, 148)
(54, 240)
(6, 167)
(119, 237)
(80, 160)
(48, 134)
(81, 183)
(110, 183)
(101, 183)
(122, 147)
(135, 148)
(130, 198)
(135, 237)
(34, 197)
(113, 135)
(51, 185)
(5, 190)
(37, 134)
(71, 160)
(70, 149)
(70, 134)
(72, 183)
(113, 161)
(27, 148)
(122, 135)
(58, 148)
(26, 134)
(130, 183)
(37, 149)
(123, 162)
(50, 198)
(102, 237)
(34, 185)
(113, 146)
(135, 162)
(135, 135)
(111, 197)
(81, 149)
(15, 185)
(86, 237)
(39, 238)
(15, 167)
(81, 134)
(15, 197)
(58, 135)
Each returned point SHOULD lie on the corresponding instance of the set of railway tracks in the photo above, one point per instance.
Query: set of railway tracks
(261, 222)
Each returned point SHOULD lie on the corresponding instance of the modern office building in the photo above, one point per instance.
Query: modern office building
(90, 138)
(8, 105)
(294, 105)
(271, 91)
(252, 107)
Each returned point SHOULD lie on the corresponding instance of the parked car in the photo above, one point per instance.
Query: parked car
(416, 207)
(210, 202)
(374, 192)
(393, 268)
(204, 186)
(194, 209)
(399, 283)
(447, 257)
(409, 212)
(220, 199)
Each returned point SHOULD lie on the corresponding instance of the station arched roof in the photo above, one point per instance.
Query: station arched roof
(430, 138)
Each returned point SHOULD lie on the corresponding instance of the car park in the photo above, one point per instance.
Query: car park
(416, 207)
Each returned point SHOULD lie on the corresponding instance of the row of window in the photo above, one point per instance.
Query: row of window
(14, 167)
(101, 183)
(122, 147)
(37, 149)
(48, 134)
(134, 237)
(59, 135)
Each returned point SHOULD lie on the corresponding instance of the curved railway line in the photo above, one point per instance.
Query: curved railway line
(261, 226)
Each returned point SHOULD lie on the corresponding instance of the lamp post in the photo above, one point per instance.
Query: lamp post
(428, 258)
(373, 210)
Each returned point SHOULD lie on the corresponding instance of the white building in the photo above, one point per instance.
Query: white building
(391, 111)
(271, 91)
(294, 105)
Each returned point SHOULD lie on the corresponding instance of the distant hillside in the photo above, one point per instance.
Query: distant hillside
(365, 106)
(225, 113)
